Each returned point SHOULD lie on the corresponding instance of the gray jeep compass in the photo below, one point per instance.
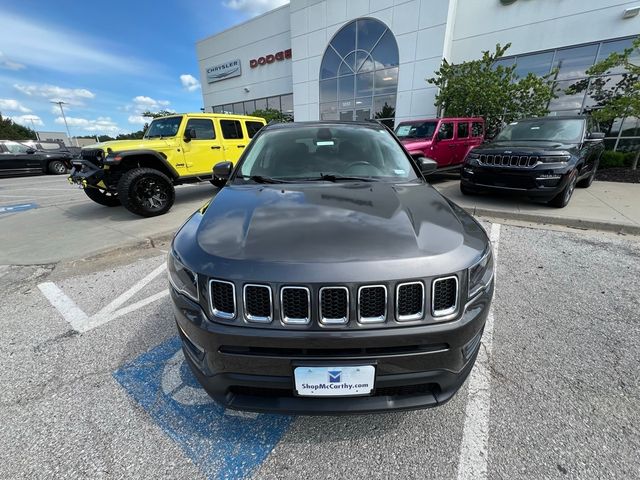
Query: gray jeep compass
(327, 276)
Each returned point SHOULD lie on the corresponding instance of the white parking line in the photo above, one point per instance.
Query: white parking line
(67, 307)
(474, 449)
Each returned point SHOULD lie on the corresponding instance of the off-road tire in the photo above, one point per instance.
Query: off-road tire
(562, 199)
(102, 197)
(56, 167)
(586, 182)
(146, 192)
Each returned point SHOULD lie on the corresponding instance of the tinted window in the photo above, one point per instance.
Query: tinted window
(446, 131)
(463, 130)
(253, 128)
(231, 129)
(203, 128)
(538, 64)
(307, 152)
(567, 130)
(164, 127)
(573, 62)
(14, 147)
(476, 129)
(416, 130)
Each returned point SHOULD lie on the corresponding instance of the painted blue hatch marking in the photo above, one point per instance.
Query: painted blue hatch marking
(223, 444)
(18, 207)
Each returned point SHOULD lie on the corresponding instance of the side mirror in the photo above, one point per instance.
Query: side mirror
(189, 134)
(595, 136)
(427, 166)
(221, 173)
(31, 150)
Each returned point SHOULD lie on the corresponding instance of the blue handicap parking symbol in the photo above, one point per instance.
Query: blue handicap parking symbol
(20, 207)
(221, 444)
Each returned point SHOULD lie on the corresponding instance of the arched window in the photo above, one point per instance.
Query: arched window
(359, 73)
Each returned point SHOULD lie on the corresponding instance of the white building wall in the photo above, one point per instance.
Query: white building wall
(267, 34)
(532, 25)
(420, 27)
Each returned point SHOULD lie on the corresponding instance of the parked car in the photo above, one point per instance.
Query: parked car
(17, 158)
(177, 149)
(543, 158)
(327, 276)
(445, 140)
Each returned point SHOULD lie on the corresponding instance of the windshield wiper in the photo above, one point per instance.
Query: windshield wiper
(261, 179)
(330, 177)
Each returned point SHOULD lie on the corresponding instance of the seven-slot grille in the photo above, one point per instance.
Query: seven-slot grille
(334, 305)
(508, 160)
(444, 297)
(295, 303)
(372, 304)
(223, 298)
(257, 303)
(409, 301)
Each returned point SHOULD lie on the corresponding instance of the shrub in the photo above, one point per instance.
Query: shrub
(611, 159)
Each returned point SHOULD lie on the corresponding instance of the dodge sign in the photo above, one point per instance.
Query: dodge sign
(223, 71)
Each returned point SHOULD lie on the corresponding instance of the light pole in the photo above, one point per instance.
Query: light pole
(60, 103)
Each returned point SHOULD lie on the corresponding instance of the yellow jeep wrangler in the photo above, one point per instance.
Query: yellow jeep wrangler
(177, 149)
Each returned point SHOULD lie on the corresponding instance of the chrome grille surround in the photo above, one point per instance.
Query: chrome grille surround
(379, 319)
(221, 313)
(516, 161)
(257, 318)
(334, 320)
(295, 320)
(416, 316)
(446, 312)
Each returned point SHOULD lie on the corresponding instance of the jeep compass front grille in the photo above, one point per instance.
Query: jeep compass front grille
(410, 301)
(334, 305)
(257, 303)
(223, 298)
(296, 305)
(444, 296)
(372, 304)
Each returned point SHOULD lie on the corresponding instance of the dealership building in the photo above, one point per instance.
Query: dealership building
(361, 59)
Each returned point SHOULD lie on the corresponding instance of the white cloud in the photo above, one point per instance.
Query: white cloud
(99, 125)
(189, 82)
(142, 103)
(27, 120)
(254, 7)
(10, 105)
(138, 120)
(9, 64)
(55, 47)
(73, 96)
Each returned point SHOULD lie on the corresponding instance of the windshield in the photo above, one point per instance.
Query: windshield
(567, 131)
(416, 130)
(163, 127)
(326, 152)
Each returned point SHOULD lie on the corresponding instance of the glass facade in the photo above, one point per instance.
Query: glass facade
(569, 66)
(282, 103)
(359, 73)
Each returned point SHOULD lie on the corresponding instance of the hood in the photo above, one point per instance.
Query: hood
(121, 145)
(416, 143)
(526, 148)
(329, 223)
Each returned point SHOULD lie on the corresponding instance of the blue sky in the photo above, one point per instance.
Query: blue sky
(109, 61)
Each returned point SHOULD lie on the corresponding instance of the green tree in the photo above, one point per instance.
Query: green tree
(619, 99)
(270, 114)
(10, 130)
(386, 115)
(159, 113)
(480, 88)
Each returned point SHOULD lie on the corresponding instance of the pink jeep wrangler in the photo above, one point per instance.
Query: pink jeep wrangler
(445, 140)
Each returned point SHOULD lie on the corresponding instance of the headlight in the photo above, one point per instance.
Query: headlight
(183, 280)
(481, 274)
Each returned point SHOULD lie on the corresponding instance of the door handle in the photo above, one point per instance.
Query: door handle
(240, 146)
(215, 147)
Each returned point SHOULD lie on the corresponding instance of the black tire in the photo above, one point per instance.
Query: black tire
(466, 190)
(562, 199)
(57, 167)
(586, 182)
(146, 192)
(107, 199)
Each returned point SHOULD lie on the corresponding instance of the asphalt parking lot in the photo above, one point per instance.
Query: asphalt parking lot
(94, 384)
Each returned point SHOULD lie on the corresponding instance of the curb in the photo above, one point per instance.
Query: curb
(565, 222)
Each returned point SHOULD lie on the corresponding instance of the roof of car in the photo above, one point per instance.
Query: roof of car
(433, 119)
(325, 123)
(551, 118)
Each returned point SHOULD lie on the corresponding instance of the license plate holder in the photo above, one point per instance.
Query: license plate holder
(334, 380)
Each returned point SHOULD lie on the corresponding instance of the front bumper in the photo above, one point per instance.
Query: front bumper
(542, 182)
(85, 173)
(252, 369)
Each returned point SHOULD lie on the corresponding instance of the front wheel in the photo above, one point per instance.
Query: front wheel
(146, 192)
(562, 199)
(56, 167)
(586, 182)
(108, 199)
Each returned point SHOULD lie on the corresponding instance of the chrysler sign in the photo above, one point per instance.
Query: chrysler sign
(223, 71)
